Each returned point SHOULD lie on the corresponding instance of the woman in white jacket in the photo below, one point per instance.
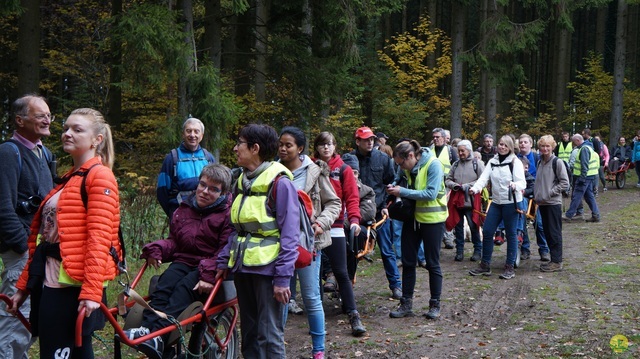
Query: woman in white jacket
(507, 183)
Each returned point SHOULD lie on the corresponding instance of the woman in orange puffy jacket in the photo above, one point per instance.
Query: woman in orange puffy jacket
(70, 242)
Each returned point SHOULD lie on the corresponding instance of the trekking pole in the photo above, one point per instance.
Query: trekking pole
(19, 315)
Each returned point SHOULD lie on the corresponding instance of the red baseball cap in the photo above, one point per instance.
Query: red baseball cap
(364, 133)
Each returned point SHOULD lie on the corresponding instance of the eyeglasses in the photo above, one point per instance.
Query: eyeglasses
(202, 185)
(41, 116)
(241, 142)
(328, 144)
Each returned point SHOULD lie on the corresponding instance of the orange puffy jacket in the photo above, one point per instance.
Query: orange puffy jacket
(86, 236)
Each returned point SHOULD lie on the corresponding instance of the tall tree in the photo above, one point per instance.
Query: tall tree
(114, 107)
(261, 48)
(457, 48)
(618, 73)
(29, 47)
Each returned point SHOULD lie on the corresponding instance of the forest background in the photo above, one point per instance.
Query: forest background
(402, 67)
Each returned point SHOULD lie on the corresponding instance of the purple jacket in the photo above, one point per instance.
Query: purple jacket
(197, 236)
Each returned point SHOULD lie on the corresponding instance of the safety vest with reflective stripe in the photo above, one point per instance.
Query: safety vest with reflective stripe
(594, 162)
(258, 241)
(429, 211)
(564, 152)
(444, 158)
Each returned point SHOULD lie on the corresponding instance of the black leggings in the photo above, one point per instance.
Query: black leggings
(58, 313)
(337, 255)
(430, 235)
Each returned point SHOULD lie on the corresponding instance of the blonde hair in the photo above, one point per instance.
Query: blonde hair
(100, 127)
(508, 141)
(547, 140)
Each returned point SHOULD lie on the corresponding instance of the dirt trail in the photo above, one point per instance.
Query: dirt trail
(573, 313)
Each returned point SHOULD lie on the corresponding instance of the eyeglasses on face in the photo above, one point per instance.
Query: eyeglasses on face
(240, 142)
(41, 116)
(203, 186)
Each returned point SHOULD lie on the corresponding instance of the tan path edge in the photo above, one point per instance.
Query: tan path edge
(569, 314)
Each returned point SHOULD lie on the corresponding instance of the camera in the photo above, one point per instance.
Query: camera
(29, 206)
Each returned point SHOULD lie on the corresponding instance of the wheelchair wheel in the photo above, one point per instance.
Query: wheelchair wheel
(203, 341)
(621, 178)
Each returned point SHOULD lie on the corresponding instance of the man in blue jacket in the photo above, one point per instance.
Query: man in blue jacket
(376, 171)
(178, 177)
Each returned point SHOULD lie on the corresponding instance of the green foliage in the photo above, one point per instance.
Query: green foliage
(520, 119)
(142, 219)
(10, 7)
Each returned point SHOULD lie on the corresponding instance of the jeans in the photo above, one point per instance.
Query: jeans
(497, 213)
(583, 189)
(15, 339)
(309, 278)
(475, 232)
(540, 236)
(430, 235)
(396, 228)
(551, 216)
(388, 256)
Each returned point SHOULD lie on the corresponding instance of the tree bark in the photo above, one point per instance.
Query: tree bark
(561, 77)
(184, 102)
(262, 18)
(618, 73)
(457, 27)
(29, 48)
(601, 28)
(213, 32)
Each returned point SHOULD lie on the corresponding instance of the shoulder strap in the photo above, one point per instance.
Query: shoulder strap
(13, 144)
(454, 166)
(475, 165)
(207, 155)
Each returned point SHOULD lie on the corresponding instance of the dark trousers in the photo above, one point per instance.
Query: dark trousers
(430, 234)
(337, 255)
(552, 224)
(58, 313)
(174, 293)
(261, 317)
(475, 232)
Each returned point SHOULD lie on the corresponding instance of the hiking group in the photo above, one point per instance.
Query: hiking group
(59, 237)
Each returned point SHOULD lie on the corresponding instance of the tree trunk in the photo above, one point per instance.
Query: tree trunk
(633, 55)
(29, 48)
(184, 102)
(561, 77)
(457, 48)
(213, 32)
(618, 73)
(601, 28)
(262, 18)
(114, 111)
(432, 11)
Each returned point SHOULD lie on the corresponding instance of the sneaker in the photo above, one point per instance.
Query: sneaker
(498, 240)
(525, 255)
(357, 328)
(330, 284)
(152, 348)
(476, 256)
(604, 189)
(509, 272)
(318, 355)
(567, 219)
(294, 308)
(459, 257)
(404, 309)
(448, 243)
(593, 219)
(545, 257)
(551, 267)
(483, 269)
(396, 293)
(434, 309)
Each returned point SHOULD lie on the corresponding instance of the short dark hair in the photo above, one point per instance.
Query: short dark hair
(218, 173)
(265, 136)
(297, 134)
(323, 137)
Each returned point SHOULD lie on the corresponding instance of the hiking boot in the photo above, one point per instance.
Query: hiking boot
(357, 329)
(551, 267)
(509, 272)
(483, 269)
(476, 256)
(152, 348)
(396, 293)
(525, 255)
(593, 219)
(294, 308)
(459, 257)
(434, 309)
(404, 309)
(330, 284)
(545, 257)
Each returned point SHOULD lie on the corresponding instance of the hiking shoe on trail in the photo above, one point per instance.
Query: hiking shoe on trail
(545, 257)
(434, 309)
(593, 219)
(318, 355)
(482, 269)
(525, 255)
(509, 272)
(567, 219)
(459, 257)
(476, 256)
(357, 328)
(330, 284)
(498, 239)
(152, 348)
(551, 267)
(294, 308)
(396, 293)
(404, 309)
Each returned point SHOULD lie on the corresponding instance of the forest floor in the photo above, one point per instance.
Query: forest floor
(574, 313)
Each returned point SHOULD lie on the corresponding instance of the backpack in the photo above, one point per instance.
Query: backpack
(475, 166)
(306, 249)
(565, 191)
(49, 157)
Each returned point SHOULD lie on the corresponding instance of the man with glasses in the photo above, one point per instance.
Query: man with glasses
(25, 179)
(178, 176)
(376, 171)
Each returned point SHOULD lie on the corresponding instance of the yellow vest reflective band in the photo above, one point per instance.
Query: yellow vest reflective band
(564, 152)
(432, 211)
(258, 241)
(444, 158)
(594, 162)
